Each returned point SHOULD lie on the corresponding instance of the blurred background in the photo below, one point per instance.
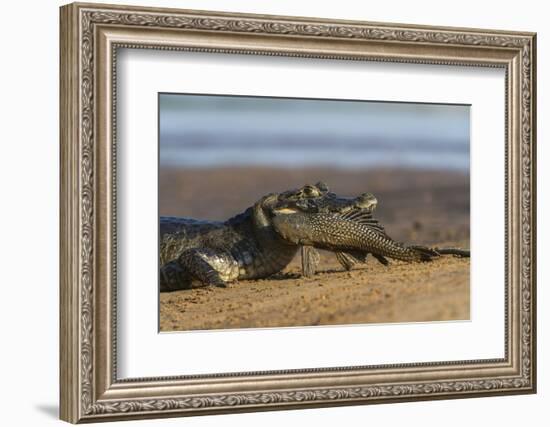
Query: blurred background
(219, 154)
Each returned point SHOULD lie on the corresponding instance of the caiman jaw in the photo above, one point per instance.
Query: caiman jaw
(285, 211)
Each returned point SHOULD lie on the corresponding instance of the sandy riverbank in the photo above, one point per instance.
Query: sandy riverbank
(424, 207)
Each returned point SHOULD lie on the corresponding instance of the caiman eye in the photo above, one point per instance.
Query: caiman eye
(310, 191)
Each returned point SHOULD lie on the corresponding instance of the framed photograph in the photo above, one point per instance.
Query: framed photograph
(267, 212)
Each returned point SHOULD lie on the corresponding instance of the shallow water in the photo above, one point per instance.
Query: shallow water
(206, 131)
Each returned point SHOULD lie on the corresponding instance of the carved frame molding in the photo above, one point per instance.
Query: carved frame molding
(90, 36)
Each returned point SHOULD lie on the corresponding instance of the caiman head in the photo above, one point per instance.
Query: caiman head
(309, 199)
(312, 213)
(314, 216)
(318, 199)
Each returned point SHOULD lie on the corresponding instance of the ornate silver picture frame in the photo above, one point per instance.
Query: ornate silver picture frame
(91, 36)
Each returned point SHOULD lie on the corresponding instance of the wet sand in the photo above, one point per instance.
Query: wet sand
(422, 207)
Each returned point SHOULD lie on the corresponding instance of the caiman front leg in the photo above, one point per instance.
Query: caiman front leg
(197, 268)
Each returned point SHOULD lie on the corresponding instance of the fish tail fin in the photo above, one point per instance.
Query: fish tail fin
(457, 252)
(423, 253)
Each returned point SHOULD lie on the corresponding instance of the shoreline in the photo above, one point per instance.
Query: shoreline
(368, 294)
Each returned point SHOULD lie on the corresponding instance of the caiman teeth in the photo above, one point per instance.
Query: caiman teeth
(286, 211)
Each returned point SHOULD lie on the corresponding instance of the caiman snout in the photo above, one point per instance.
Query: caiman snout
(366, 201)
(318, 199)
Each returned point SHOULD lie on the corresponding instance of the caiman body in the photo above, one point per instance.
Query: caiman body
(197, 253)
(194, 253)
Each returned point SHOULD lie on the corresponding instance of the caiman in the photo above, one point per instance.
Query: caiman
(264, 239)
(196, 253)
